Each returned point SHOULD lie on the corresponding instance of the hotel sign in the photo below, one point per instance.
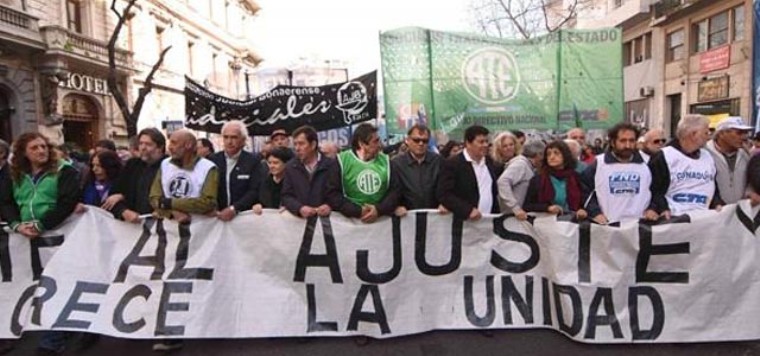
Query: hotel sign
(713, 89)
(85, 83)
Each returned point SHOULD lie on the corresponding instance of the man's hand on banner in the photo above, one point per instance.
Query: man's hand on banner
(307, 212)
(600, 219)
(665, 214)
(28, 230)
(369, 214)
(442, 209)
(323, 210)
(80, 208)
(226, 214)
(651, 215)
(521, 214)
(257, 209)
(400, 211)
(130, 216)
(475, 214)
(718, 208)
(180, 217)
(111, 201)
(581, 214)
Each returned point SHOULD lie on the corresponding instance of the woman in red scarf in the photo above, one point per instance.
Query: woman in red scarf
(557, 188)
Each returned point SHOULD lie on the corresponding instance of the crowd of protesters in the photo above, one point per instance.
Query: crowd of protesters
(629, 177)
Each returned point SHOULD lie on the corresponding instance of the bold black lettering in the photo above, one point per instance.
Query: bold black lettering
(156, 261)
(602, 295)
(51, 287)
(506, 265)
(362, 260)
(546, 301)
(6, 269)
(584, 252)
(575, 301)
(377, 317)
(750, 224)
(420, 247)
(523, 305)
(658, 313)
(73, 305)
(166, 306)
(647, 250)
(118, 313)
(27, 295)
(329, 259)
(469, 303)
(180, 272)
(312, 324)
(38, 243)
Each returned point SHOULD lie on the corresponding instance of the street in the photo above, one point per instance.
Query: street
(439, 343)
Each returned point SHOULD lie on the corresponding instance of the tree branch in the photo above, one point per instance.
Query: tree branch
(112, 82)
(148, 85)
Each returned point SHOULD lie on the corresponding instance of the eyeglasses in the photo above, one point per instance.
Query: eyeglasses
(660, 141)
(418, 140)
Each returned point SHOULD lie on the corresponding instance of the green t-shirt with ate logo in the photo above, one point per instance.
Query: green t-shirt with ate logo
(364, 182)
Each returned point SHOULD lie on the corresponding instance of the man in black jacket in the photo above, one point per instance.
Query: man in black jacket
(239, 172)
(129, 195)
(467, 184)
(305, 184)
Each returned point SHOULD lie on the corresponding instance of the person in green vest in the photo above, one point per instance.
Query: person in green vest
(360, 185)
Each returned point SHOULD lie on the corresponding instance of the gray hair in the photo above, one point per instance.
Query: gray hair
(239, 125)
(533, 148)
(575, 147)
(690, 123)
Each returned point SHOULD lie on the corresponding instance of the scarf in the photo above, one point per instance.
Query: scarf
(546, 192)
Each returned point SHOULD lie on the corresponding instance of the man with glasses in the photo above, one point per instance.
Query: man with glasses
(730, 158)
(361, 186)
(417, 172)
(654, 141)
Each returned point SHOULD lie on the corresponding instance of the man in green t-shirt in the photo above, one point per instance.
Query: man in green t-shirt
(360, 186)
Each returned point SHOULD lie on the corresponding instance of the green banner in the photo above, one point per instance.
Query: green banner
(451, 80)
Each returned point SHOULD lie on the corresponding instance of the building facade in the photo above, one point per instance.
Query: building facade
(54, 62)
(680, 57)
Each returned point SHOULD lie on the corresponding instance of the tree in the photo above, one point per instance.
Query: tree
(131, 115)
(525, 18)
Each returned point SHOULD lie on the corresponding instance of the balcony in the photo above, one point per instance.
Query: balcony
(664, 8)
(62, 41)
(20, 27)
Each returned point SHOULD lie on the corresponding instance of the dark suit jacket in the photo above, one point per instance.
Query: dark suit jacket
(245, 180)
(458, 187)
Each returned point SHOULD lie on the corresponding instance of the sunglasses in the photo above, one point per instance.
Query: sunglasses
(419, 140)
(660, 142)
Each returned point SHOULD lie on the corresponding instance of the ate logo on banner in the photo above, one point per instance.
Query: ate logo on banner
(368, 182)
(352, 100)
(491, 76)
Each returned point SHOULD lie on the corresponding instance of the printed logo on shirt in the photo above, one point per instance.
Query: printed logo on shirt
(690, 198)
(705, 176)
(368, 182)
(179, 187)
(625, 183)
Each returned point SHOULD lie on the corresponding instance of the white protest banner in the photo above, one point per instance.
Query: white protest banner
(692, 280)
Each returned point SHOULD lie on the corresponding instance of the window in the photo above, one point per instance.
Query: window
(618, 3)
(627, 54)
(675, 46)
(214, 66)
(73, 16)
(718, 30)
(638, 50)
(700, 36)
(648, 46)
(738, 17)
(160, 38)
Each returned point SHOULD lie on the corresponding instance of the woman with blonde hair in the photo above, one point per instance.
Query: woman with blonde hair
(505, 147)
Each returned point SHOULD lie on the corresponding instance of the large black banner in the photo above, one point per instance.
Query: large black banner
(285, 107)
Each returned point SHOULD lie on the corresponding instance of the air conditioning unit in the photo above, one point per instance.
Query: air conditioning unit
(646, 91)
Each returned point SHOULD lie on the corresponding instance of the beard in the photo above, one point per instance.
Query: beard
(624, 153)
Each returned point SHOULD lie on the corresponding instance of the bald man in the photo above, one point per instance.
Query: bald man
(654, 141)
(186, 183)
